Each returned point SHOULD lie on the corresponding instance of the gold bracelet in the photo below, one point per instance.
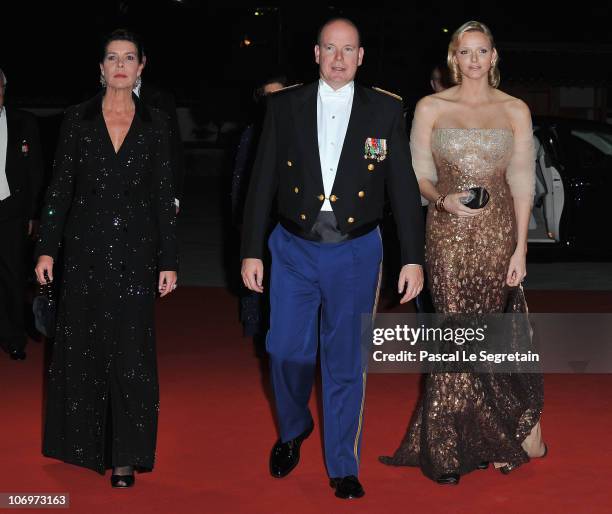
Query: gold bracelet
(440, 203)
(437, 203)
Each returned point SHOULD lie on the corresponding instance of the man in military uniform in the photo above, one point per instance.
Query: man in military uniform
(327, 151)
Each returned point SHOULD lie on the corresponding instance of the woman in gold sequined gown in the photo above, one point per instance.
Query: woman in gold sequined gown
(474, 135)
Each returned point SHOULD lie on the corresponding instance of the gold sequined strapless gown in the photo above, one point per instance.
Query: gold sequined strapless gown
(462, 419)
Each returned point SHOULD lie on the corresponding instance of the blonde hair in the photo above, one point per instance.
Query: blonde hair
(455, 72)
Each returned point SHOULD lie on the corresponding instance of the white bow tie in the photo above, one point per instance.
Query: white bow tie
(340, 94)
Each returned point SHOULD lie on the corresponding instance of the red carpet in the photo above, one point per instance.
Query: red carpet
(216, 429)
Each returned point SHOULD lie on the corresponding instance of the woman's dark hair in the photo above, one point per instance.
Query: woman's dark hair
(123, 35)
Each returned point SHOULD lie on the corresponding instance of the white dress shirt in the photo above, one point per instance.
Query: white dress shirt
(5, 192)
(333, 113)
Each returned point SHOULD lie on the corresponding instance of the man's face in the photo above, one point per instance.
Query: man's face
(338, 54)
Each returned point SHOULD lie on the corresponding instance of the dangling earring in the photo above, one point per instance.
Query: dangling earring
(137, 83)
(102, 80)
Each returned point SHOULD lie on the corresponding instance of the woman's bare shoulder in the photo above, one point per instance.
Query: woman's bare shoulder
(514, 106)
(432, 104)
(514, 109)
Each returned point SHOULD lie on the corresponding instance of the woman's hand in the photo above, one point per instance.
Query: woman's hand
(517, 270)
(167, 282)
(454, 206)
(44, 265)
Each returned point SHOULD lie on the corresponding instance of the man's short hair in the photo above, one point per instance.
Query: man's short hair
(333, 20)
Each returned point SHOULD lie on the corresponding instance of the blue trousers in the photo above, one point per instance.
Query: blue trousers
(339, 280)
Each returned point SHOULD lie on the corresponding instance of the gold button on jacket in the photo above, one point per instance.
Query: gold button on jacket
(368, 169)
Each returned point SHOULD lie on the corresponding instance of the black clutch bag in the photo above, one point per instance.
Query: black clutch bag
(478, 198)
(44, 307)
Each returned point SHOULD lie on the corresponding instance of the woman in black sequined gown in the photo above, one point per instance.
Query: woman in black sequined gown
(110, 206)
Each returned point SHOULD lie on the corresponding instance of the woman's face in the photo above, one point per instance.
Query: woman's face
(474, 55)
(121, 66)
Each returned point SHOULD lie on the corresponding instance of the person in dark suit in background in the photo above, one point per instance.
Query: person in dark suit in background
(247, 146)
(21, 173)
(253, 306)
(164, 101)
(327, 151)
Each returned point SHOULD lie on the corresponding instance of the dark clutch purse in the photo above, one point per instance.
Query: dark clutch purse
(44, 307)
(478, 198)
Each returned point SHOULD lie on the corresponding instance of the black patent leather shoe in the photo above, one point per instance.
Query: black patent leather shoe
(482, 465)
(17, 355)
(448, 479)
(122, 481)
(347, 487)
(286, 456)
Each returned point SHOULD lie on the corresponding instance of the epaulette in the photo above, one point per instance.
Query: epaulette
(287, 88)
(387, 93)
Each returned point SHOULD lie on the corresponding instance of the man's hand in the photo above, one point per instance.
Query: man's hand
(252, 274)
(411, 279)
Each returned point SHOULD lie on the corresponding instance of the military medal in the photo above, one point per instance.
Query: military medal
(375, 149)
(25, 148)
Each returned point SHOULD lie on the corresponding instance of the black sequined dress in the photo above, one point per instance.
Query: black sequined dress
(114, 216)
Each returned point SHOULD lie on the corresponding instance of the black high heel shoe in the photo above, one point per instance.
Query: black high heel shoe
(123, 481)
(505, 470)
(482, 465)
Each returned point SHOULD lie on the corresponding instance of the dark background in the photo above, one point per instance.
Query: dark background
(550, 53)
(50, 51)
